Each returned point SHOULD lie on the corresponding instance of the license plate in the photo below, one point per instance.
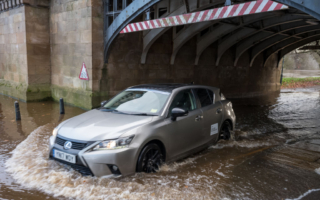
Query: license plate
(64, 156)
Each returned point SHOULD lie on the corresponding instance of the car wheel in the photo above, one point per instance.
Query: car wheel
(226, 131)
(150, 159)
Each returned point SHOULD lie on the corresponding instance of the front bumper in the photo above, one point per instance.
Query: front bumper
(98, 163)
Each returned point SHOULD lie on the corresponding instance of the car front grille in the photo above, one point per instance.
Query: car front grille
(75, 145)
(85, 171)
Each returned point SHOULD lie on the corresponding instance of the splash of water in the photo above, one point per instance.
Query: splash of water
(174, 166)
(305, 194)
(30, 167)
(242, 143)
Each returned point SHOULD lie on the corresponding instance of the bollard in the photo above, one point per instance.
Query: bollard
(61, 106)
(17, 109)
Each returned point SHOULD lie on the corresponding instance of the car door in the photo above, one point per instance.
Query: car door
(185, 130)
(212, 114)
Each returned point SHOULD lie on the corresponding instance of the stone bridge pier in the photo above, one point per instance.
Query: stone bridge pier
(43, 45)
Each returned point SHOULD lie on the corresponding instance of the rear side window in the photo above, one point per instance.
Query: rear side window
(222, 97)
(204, 97)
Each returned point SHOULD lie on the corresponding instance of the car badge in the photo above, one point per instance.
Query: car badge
(67, 145)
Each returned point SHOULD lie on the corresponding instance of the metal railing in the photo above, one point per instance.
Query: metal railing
(118, 14)
(9, 4)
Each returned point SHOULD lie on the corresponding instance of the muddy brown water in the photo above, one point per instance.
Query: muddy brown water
(228, 170)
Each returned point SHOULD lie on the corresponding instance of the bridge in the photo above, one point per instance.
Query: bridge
(44, 44)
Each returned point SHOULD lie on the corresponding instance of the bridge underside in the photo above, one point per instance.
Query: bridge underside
(43, 46)
(241, 55)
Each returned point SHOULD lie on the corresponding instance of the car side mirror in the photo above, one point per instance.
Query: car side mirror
(178, 112)
(104, 103)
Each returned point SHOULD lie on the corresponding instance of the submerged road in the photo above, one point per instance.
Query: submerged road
(276, 156)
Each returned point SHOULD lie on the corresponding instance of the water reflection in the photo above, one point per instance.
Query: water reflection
(19, 128)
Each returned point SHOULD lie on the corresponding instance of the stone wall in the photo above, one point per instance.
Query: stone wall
(43, 45)
(13, 53)
(124, 68)
(76, 37)
(25, 53)
(38, 53)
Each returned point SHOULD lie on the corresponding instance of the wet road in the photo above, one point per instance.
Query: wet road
(249, 168)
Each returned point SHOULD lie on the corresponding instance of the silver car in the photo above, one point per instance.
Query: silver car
(142, 127)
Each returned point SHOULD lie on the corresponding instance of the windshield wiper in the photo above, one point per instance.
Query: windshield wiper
(112, 110)
(143, 114)
(119, 112)
(106, 109)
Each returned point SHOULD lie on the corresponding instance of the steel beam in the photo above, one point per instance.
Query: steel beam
(259, 35)
(290, 42)
(259, 48)
(290, 48)
(236, 10)
(232, 39)
(311, 7)
(154, 34)
(225, 29)
(183, 37)
(186, 35)
(124, 18)
(190, 32)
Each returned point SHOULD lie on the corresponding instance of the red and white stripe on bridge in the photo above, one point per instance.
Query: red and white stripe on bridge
(248, 8)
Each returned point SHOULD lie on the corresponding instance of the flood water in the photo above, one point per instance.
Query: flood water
(229, 170)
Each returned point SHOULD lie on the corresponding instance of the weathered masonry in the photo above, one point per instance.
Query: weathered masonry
(44, 43)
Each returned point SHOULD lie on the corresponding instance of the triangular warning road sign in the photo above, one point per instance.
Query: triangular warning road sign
(84, 73)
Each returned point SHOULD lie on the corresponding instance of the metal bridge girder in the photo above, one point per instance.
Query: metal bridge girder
(291, 41)
(247, 8)
(225, 29)
(259, 35)
(275, 38)
(292, 47)
(154, 34)
(190, 32)
(311, 7)
(125, 17)
(186, 35)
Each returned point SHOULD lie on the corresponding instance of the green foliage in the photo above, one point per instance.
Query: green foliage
(300, 82)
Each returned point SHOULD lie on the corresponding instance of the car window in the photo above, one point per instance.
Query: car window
(138, 101)
(211, 95)
(204, 97)
(184, 100)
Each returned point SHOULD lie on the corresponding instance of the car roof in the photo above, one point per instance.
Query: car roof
(166, 87)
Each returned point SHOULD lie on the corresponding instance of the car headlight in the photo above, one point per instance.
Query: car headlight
(114, 144)
(55, 132)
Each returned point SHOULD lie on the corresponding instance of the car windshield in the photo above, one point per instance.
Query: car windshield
(140, 102)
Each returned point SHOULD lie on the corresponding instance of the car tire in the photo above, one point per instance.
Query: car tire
(226, 131)
(150, 159)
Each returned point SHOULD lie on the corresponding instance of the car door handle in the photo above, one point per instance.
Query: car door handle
(198, 118)
(219, 110)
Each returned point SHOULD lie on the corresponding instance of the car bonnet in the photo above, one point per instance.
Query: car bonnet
(97, 125)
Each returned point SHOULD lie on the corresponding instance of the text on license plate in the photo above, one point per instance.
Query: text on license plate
(64, 156)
